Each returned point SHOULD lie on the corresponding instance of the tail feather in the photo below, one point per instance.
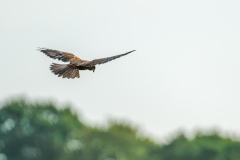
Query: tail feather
(76, 74)
(72, 73)
(65, 70)
(57, 68)
(68, 72)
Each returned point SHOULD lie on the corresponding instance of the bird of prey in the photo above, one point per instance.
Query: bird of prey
(71, 70)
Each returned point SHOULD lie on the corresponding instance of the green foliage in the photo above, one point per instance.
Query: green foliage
(37, 131)
(118, 141)
(40, 131)
(202, 147)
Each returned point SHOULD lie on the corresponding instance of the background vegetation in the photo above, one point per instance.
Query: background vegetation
(41, 131)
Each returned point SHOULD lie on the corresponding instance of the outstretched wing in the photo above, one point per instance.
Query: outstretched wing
(102, 60)
(62, 56)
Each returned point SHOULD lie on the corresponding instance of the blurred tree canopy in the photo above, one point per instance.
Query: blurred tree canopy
(37, 131)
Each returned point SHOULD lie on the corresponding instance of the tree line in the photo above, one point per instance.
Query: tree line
(37, 131)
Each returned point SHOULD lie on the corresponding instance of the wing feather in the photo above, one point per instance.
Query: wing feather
(102, 60)
(62, 56)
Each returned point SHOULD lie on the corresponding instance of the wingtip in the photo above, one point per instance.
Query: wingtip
(41, 48)
(132, 51)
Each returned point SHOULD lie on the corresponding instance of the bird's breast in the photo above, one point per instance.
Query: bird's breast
(82, 68)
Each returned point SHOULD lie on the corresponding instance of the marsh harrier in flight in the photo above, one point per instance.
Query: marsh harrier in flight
(71, 70)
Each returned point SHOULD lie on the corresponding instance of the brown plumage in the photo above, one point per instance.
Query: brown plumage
(71, 70)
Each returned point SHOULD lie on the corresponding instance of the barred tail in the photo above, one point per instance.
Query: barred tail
(65, 70)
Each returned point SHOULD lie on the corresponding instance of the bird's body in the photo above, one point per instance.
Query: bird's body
(71, 70)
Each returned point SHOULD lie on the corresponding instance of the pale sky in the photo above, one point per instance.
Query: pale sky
(185, 73)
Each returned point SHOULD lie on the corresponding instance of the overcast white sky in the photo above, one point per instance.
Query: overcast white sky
(185, 73)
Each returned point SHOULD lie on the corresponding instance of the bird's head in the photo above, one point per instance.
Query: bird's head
(93, 68)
